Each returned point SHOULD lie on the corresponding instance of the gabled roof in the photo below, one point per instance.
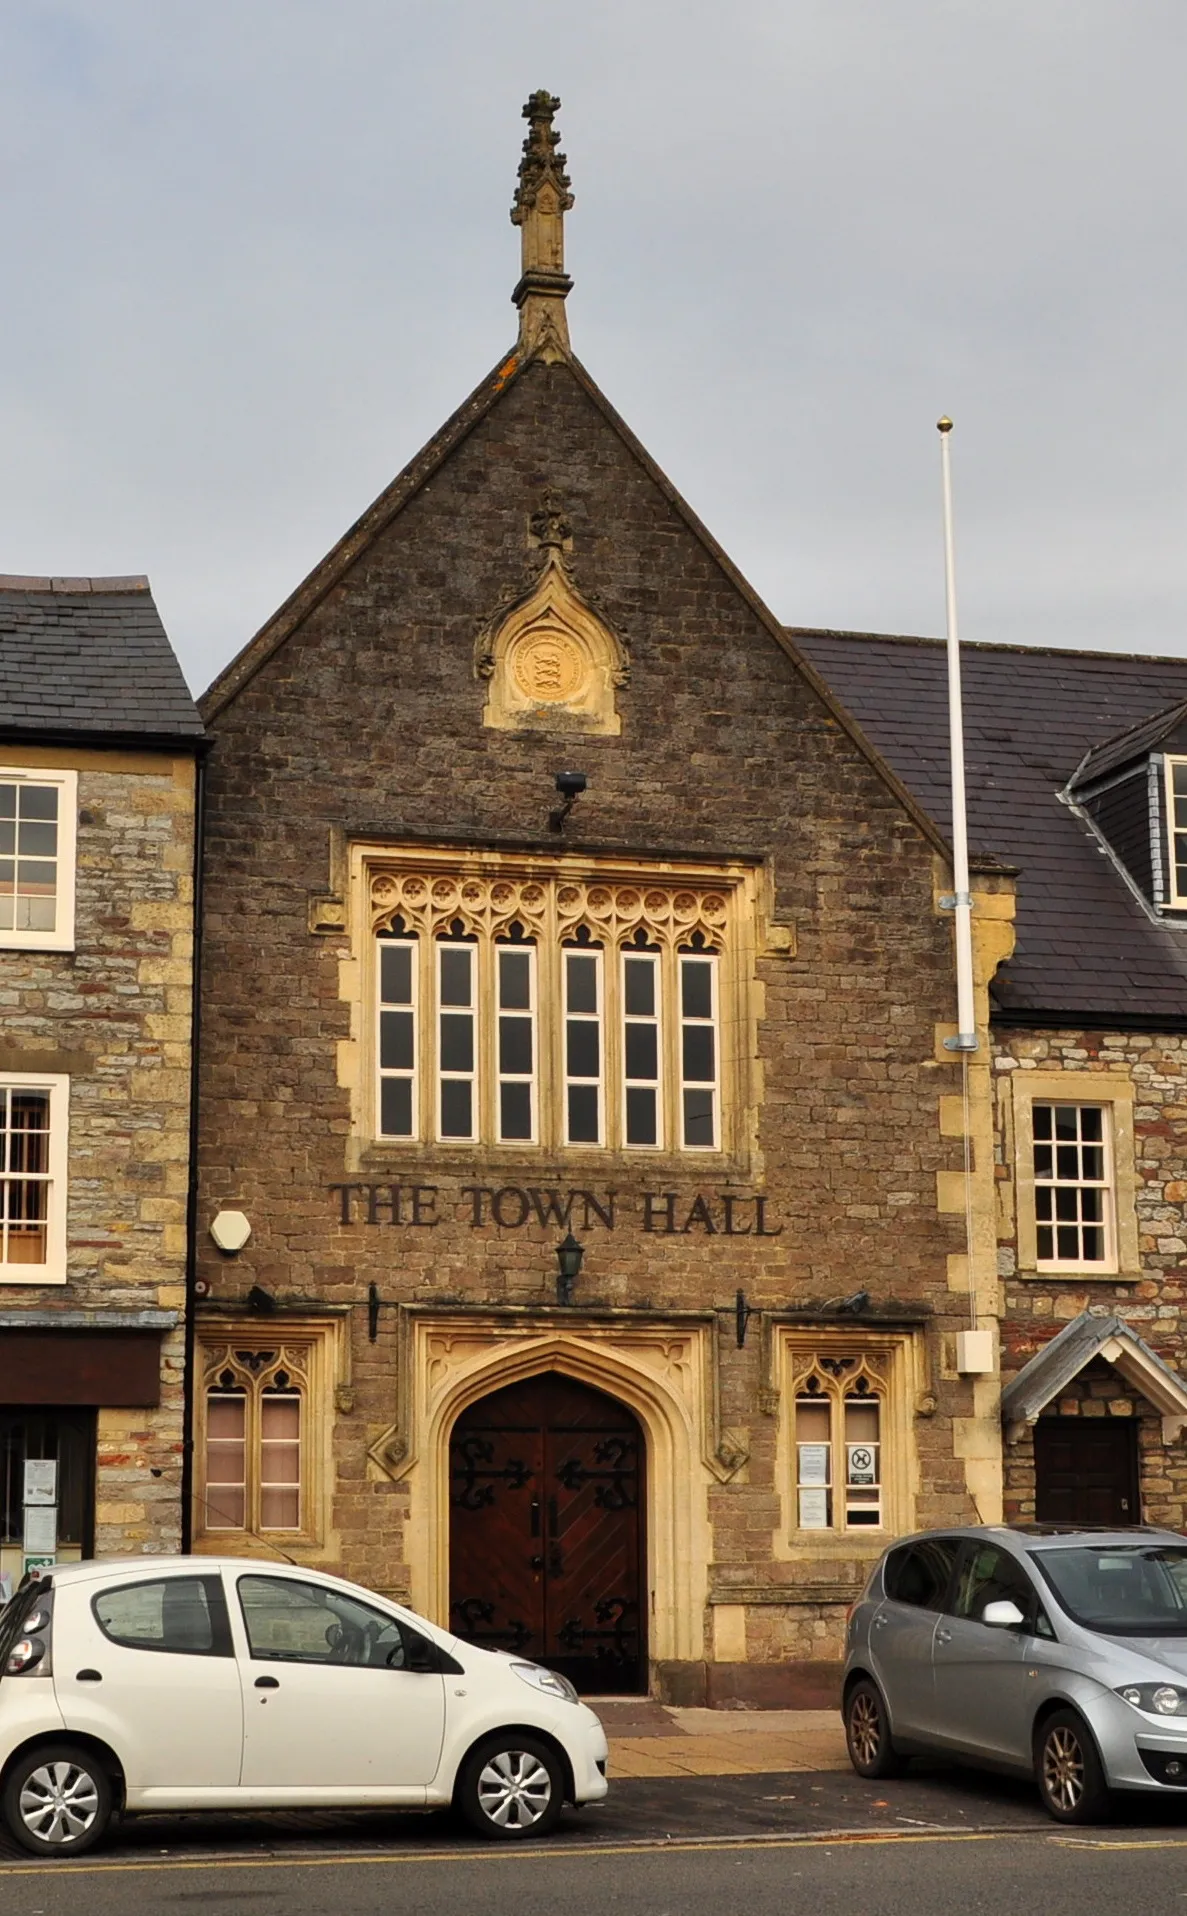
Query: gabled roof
(1087, 951)
(1053, 1368)
(378, 516)
(1128, 746)
(89, 657)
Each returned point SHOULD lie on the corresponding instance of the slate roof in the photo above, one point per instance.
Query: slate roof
(1087, 951)
(89, 657)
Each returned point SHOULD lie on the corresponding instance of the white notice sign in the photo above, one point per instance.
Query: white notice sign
(41, 1528)
(813, 1463)
(813, 1509)
(41, 1481)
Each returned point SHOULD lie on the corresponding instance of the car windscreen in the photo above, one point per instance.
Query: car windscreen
(1127, 1590)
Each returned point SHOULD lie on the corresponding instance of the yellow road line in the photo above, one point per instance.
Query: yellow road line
(540, 1854)
(1108, 1842)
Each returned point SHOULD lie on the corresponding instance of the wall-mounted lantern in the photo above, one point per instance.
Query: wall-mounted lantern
(569, 1254)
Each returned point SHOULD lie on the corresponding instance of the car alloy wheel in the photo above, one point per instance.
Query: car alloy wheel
(514, 1789)
(57, 1801)
(1068, 1770)
(867, 1732)
(1063, 1769)
(865, 1728)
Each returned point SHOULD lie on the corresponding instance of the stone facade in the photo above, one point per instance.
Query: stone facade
(360, 737)
(1151, 1172)
(113, 1017)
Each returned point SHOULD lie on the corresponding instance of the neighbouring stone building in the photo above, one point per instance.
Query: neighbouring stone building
(1077, 768)
(557, 909)
(98, 747)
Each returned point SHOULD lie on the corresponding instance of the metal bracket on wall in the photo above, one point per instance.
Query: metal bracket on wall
(742, 1317)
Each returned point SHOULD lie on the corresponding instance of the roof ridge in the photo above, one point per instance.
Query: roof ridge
(990, 645)
(63, 582)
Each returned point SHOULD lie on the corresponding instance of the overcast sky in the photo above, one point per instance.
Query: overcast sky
(255, 251)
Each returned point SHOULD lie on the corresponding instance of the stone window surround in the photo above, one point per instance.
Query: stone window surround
(1114, 1090)
(320, 1347)
(897, 1359)
(53, 1271)
(61, 938)
(741, 932)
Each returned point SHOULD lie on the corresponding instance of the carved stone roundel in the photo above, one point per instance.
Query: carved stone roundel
(548, 667)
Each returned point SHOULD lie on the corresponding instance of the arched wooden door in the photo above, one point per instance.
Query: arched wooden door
(546, 1531)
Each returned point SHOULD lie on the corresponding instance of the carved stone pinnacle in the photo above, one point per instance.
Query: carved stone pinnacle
(540, 157)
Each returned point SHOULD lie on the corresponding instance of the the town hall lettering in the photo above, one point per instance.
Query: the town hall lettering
(514, 1207)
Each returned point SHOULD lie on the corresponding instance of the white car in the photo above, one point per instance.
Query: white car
(191, 1683)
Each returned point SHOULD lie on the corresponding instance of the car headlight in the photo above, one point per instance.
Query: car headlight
(1157, 1699)
(546, 1680)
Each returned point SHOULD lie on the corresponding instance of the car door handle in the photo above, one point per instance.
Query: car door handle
(89, 1676)
(267, 1683)
(943, 1636)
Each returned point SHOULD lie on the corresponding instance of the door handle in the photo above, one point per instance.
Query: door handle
(536, 1563)
(943, 1636)
(89, 1676)
(267, 1683)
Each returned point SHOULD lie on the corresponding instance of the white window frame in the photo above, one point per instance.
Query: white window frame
(1106, 1185)
(61, 938)
(713, 1022)
(630, 954)
(412, 1077)
(441, 1077)
(53, 1271)
(597, 1018)
(532, 1017)
(1174, 833)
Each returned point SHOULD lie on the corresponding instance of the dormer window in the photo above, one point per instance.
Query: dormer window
(1176, 826)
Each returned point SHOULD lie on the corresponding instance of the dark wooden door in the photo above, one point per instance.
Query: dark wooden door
(546, 1531)
(1086, 1471)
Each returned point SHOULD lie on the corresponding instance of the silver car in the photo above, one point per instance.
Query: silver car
(1056, 1653)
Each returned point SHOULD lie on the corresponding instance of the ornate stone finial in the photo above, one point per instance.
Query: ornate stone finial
(542, 198)
(550, 525)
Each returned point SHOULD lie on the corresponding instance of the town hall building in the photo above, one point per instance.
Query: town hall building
(600, 1243)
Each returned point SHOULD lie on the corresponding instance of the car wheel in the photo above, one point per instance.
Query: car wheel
(511, 1787)
(867, 1732)
(57, 1800)
(1068, 1770)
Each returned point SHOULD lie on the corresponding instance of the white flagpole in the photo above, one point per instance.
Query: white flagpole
(966, 1022)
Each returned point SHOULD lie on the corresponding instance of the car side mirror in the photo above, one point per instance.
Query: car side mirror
(1002, 1615)
(420, 1655)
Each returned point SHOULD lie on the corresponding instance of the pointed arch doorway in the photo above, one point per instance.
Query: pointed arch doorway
(546, 1531)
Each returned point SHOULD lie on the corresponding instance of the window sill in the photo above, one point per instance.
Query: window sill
(30, 941)
(383, 1154)
(1077, 1273)
(46, 1276)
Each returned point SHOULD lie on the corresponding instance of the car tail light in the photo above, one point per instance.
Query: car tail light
(25, 1655)
(25, 1644)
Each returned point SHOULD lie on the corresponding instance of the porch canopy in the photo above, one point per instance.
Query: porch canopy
(1053, 1368)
